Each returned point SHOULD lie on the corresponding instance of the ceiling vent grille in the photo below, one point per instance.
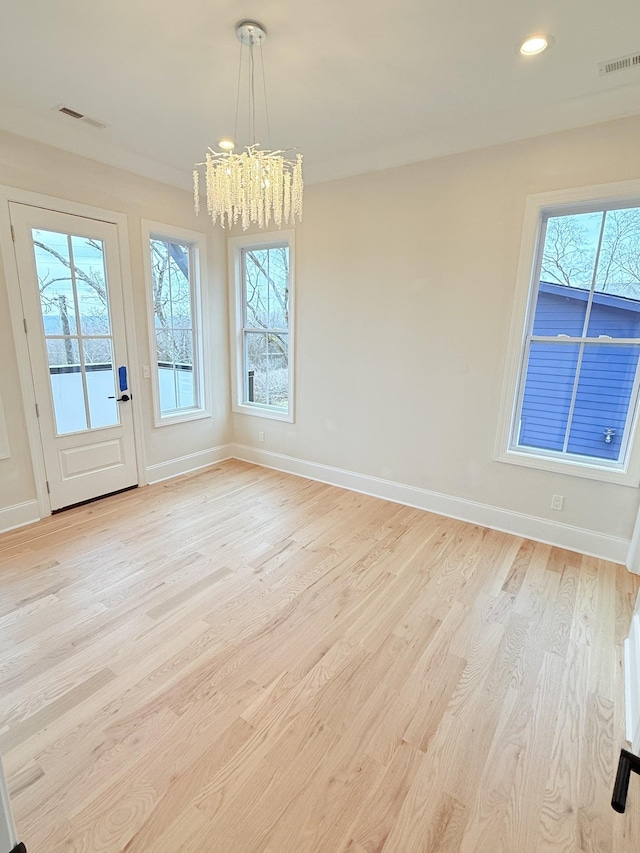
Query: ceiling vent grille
(93, 122)
(622, 63)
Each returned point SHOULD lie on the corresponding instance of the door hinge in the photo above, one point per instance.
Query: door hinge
(48, 489)
(13, 234)
(37, 410)
(24, 323)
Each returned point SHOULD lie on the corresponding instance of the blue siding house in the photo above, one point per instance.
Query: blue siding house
(606, 373)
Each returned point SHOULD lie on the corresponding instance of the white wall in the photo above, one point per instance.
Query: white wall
(405, 287)
(40, 168)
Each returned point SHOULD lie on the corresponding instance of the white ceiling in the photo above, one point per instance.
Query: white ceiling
(357, 85)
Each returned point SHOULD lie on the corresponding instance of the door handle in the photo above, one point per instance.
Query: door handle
(124, 399)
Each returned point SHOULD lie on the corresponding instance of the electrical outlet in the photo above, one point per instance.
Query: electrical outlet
(260, 435)
(146, 372)
(557, 502)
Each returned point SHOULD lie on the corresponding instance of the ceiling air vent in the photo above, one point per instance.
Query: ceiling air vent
(622, 63)
(93, 122)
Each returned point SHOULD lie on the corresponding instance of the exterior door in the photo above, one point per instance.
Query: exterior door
(69, 271)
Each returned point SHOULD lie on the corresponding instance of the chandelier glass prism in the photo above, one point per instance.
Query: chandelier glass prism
(258, 185)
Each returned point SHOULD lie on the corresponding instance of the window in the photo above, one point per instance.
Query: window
(262, 301)
(174, 261)
(575, 395)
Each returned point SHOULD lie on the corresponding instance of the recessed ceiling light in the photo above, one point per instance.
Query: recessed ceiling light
(535, 44)
(226, 144)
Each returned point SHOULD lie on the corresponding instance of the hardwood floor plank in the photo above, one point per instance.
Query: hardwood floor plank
(378, 815)
(245, 661)
(20, 731)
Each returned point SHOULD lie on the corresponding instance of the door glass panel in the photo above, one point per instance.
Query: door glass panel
(75, 312)
(65, 374)
(54, 282)
(94, 313)
(90, 283)
(101, 384)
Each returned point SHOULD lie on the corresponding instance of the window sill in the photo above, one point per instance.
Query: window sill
(258, 411)
(587, 470)
(181, 417)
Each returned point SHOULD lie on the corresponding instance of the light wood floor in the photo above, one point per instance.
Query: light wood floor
(241, 660)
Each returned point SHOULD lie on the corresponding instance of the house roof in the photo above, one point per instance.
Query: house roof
(622, 296)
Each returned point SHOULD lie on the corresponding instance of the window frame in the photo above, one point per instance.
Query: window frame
(196, 241)
(538, 207)
(236, 247)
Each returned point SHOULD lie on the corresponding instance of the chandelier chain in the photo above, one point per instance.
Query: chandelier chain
(235, 127)
(266, 100)
(252, 96)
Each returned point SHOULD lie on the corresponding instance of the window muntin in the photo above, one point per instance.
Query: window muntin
(174, 261)
(262, 321)
(578, 386)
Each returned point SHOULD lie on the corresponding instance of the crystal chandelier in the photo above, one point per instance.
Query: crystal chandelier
(257, 185)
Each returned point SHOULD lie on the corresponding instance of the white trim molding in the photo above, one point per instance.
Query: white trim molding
(529, 527)
(18, 515)
(577, 539)
(12, 194)
(187, 464)
(235, 247)
(561, 202)
(197, 243)
(28, 512)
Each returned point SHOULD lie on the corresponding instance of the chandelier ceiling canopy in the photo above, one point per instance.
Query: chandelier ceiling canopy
(257, 185)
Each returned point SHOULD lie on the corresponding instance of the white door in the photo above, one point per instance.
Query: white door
(69, 271)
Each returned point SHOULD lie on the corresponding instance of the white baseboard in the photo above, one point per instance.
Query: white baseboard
(552, 533)
(187, 464)
(18, 515)
(539, 529)
(25, 513)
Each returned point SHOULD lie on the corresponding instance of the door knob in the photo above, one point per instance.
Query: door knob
(124, 399)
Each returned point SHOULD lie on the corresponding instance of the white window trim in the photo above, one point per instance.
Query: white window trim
(235, 247)
(577, 200)
(198, 261)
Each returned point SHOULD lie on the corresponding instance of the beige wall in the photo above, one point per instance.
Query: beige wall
(405, 284)
(40, 168)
